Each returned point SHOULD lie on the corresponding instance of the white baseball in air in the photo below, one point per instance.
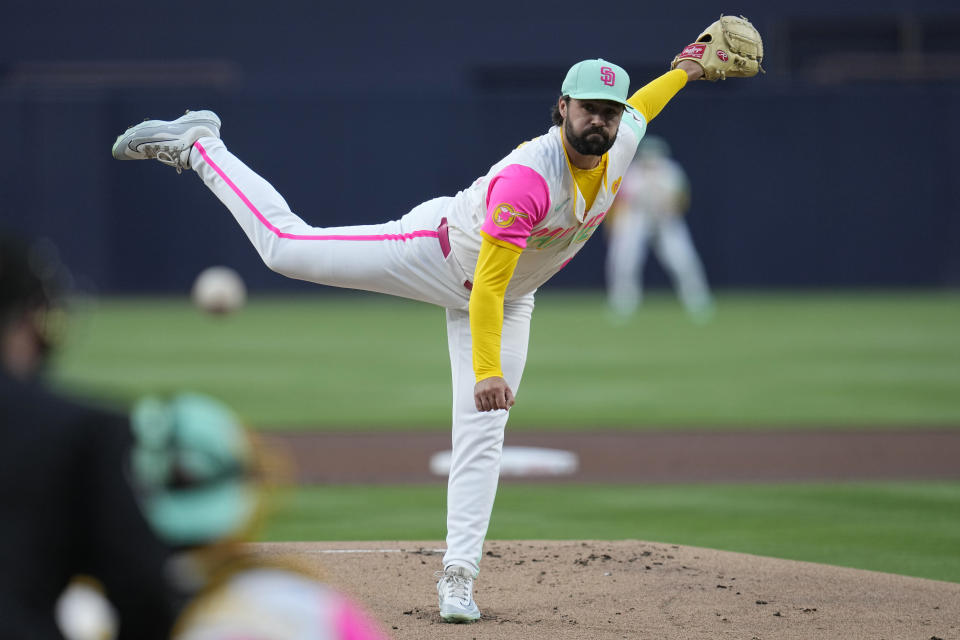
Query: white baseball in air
(219, 290)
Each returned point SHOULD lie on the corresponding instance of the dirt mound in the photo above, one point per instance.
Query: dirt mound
(605, 590)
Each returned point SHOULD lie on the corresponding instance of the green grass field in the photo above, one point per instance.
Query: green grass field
(372, 362)
(907, 528)
(864, 360)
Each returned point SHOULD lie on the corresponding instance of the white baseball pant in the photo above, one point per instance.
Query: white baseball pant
(410, 258)
(673, 245)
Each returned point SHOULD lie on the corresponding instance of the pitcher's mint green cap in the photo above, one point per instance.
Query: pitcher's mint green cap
(597, 80)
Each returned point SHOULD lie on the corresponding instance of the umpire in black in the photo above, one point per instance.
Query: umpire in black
(66, 503)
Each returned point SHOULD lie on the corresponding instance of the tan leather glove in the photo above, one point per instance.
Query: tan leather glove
(731, 47)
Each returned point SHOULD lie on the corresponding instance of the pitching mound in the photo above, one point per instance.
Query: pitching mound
(629, 589)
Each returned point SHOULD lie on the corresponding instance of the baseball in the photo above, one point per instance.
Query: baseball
(219, 290)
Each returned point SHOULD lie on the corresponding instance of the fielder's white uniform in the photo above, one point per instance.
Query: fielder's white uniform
(430, 254)
(649, 212)
(274, 604)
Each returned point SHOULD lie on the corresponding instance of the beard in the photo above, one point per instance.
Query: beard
(593, 142)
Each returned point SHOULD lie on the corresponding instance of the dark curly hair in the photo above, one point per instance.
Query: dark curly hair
(555, 113)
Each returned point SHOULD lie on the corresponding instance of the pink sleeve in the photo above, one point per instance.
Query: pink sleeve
(517, 199)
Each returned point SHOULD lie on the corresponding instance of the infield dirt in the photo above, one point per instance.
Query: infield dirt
(645, 456)
(603, 590)
(611, 590)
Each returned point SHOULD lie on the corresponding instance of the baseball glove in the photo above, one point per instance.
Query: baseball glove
(731, 47)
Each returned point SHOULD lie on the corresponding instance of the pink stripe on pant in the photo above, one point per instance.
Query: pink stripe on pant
(293, 236)
(404, 257)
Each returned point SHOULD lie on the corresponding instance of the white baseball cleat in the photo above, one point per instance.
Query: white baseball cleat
(455, 595)
(169, 142)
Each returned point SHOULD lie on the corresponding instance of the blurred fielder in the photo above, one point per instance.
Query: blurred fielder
(67, 506)
(203, 482)
(649, 211)
(480, 254)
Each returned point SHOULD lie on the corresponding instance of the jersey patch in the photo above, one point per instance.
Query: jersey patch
(505, 215)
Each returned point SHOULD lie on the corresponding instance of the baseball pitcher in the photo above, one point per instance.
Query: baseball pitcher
(480, 254)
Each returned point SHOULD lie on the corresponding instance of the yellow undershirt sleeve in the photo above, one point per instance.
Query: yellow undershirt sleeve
(500, 243)
(651, 98)
(494, 269)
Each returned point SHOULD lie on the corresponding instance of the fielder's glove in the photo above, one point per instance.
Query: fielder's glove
(729, 48)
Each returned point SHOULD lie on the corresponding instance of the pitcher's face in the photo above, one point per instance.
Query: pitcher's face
(590, 126)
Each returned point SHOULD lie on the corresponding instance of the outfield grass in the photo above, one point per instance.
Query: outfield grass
(373, 362)
(906, 528)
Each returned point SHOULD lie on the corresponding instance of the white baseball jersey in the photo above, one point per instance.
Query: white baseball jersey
(559, 232)
(275, 604)
(652, 187)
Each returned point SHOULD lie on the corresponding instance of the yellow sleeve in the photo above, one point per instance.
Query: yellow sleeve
(651, 98)
(494, 269)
